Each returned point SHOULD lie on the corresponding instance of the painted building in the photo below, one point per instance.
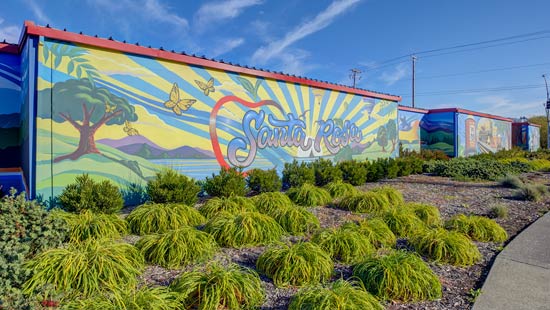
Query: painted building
(526, 136)
(409, 127)
(121, 112)
(459, 132)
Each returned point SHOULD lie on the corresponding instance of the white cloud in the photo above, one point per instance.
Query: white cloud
(226, 46)
(400, 71)
(501, 105)
(214, 12)
(293, 62)
(38, 12)
(10, 33)
(322, 20)
(160, 12)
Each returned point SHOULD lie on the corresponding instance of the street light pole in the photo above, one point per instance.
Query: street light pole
(547, 106)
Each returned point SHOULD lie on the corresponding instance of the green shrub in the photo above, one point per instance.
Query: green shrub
(86, 268)
(391, 168)
(155, 298)
(134, 194)
(220, 287)
(303, 263)
(511, 181)
(477, 227)
(399, 275)
(169, 186)
(229, 182)
(26, 229)
(499, 211)
(353, 172)
(376, 230)
(159, 218)
(309, 195)
(176, 248)
(232, 204)
(409, 165)
(244, 229)
(428, 214)
(262, 181)
(365, 202)
(476, 169)
(393, 196)
(403, 222)
(531, 192)
(271, 202)
(87, 194)
(448, 247)
(337, 295)
(345, 245)
(326, 172)
(375, 170)
(340, 189)
(296, 220)
(297, 174)
(89, 225)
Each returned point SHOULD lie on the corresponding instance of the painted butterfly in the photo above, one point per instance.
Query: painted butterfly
(174, 102)
(207, 87)
(129, 130)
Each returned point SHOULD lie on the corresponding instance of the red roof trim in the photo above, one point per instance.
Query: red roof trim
(463, 111)
(9, 48)
(411, 109)
(33, 29)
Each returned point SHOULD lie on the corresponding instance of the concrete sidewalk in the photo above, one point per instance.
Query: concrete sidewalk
(520, 276)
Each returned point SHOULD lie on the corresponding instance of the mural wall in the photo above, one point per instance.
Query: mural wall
(437, 132)
(409, 129)
(534, 138)
(10, 109)
(123, 117)
(477, 135)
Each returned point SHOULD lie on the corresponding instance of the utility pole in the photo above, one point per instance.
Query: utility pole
(413, 58)
(355, 76)
(547, 106)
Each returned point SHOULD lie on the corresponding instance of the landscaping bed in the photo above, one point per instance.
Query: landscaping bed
(459, 284)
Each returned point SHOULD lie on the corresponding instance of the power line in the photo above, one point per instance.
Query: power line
(392, 61)
(477, 90)
(481, 71)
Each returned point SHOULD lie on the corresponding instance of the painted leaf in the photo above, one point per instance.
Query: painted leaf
(70, 67)
(246, 84)
(79, 71)
(45, 52)
(78, 59)
(57, 61)
(87, 66)
(64, 49)
(256, 87)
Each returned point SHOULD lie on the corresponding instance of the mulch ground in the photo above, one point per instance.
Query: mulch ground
(451, 197)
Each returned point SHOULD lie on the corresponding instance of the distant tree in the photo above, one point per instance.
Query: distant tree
(541, 120)
(382, 138)
(391, 131)
(87, 108)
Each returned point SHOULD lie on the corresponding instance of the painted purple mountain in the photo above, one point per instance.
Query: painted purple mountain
(143, 147)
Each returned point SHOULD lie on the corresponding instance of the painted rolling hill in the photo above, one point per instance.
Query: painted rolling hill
(145, 148)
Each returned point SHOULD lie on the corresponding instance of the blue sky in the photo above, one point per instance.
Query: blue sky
(323, 39)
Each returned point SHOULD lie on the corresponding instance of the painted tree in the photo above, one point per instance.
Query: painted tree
(382, 137)
(87, 108)
(391, 131)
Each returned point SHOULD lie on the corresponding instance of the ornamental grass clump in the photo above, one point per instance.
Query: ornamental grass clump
(345, 245)
(340, 189)
(271, 202)
(394, 196)
(448, 247)
(511, 181)
(398, 275)
(403, 222)
(154, 298)
(532, 192)
(376, 230)
(177, 248)
(426, 213)
(244, 229)
(477, 227)
(233, 205)
(86, 268)
(340, 294)
(303, 263)
(89, 225)
(365, 202)
(158, 218)
(219, 287)
(309, 195)
(296, 220)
